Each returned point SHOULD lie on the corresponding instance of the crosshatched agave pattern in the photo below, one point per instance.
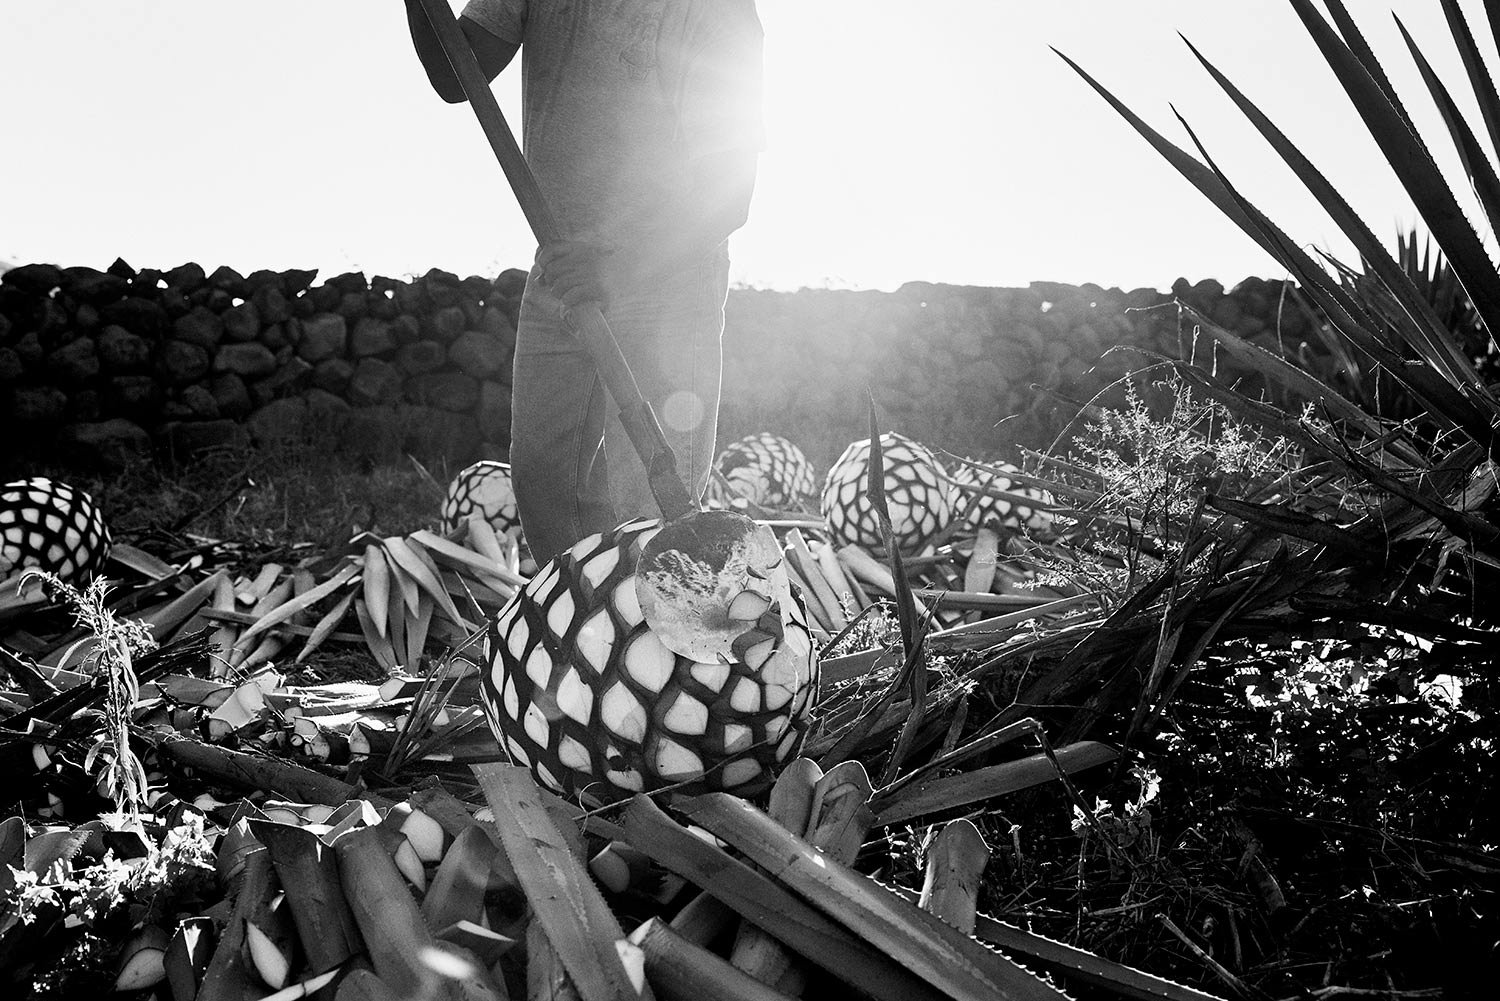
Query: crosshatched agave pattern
(582, 691)
(52, 526)
(768, 471)
(972, 510)
(720, 496)
(916, 492)
(483, 489)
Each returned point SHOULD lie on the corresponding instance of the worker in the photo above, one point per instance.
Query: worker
(641, 120)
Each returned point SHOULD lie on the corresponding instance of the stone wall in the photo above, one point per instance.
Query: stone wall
(117, 363)
(960, 368)
(111, 366)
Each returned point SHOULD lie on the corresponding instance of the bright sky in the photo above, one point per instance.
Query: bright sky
(938, 141)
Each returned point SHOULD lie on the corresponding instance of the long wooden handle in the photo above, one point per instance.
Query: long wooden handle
(587, 323)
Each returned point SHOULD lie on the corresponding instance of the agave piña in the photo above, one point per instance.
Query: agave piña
(974, 505)
(483, 490)
(768, 471)
(51, 526)
(582, 689)
(916, 492)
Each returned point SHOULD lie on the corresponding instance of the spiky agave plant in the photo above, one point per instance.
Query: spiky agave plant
(1438, 481)
(1329, 355)
(1430, 271)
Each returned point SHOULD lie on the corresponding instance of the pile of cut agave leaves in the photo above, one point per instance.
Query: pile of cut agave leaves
(372, 843)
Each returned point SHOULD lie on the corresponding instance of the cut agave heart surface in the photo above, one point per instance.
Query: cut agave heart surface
(692, 572)
(582, 689)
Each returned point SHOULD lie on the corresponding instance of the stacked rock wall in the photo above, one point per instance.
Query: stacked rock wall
(967, 369)
(117, 365)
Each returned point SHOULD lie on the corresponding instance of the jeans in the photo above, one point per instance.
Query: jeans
(574, 468)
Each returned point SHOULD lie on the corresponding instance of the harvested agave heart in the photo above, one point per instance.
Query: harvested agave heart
(582, 688)
(972, 509)
(51, 526)
(694, 572)
(768, 471)
(483, 489)
(917, 495)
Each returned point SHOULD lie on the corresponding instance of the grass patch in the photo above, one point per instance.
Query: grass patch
(264, 497)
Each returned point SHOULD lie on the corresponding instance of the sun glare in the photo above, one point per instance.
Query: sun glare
(945, 143)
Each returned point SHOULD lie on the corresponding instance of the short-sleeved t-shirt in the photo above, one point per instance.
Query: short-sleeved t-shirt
(619, 96)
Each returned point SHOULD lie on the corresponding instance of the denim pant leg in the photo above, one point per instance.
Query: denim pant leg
(558, 407)
(671, 336)
(575, 469)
